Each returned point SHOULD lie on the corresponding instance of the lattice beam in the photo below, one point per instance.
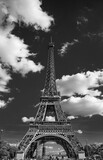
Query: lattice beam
(50, 82)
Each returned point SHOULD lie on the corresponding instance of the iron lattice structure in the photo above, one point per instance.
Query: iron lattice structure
(50, 84)
(44, 129)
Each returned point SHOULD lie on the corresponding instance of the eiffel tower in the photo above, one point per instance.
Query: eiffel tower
(50, 122)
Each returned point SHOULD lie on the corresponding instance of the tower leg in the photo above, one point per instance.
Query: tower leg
(37, 149)
(43, 150)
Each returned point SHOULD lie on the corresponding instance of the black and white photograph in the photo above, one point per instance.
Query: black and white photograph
(51, 79)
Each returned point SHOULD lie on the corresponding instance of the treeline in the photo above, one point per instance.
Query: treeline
(91, 150)
(7, 151)
(94, 150)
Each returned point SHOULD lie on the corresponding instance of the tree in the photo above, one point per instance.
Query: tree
(4, 154)
(12, 151)
(7, 151)
(88, 150)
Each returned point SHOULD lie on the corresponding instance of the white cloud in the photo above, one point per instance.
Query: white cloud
(82, 20)
(64, 48)
(50, 118)
(67, 46)
(79, 23)
(25, 119)
(82, 84)
(4, 79)
(79, 131)
(14, 53)
(93, 36)
(72, 117)
(86, 106)
(28, 11)
(4, 103)
(14, 144)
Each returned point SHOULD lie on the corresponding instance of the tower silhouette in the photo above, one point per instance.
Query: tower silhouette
(50, 122)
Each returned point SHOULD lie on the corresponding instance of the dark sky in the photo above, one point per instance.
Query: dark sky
(79, 24)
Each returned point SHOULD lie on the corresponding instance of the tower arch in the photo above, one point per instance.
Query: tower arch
(59, 139)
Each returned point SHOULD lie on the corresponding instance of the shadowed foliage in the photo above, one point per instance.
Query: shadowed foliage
(7, 151)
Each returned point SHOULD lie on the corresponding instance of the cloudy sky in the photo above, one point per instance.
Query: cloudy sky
(77, 30)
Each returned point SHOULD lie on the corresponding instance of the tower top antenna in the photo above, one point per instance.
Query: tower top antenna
(51, 44)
